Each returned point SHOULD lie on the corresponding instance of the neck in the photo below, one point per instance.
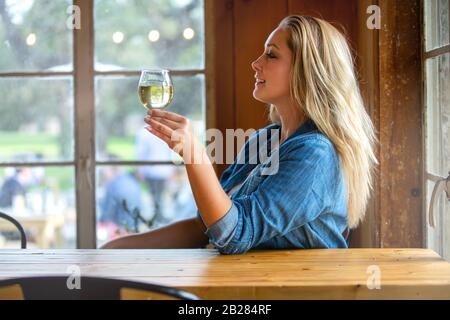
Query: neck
(291, 119)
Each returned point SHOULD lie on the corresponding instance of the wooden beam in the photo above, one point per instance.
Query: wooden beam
(224, 63)
(401, 158)
(367, 235)
(85, 126)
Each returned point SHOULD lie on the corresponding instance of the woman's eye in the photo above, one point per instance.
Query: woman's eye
(270, 55)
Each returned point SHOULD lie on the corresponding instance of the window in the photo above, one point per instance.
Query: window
(77, 167)
(437, 116)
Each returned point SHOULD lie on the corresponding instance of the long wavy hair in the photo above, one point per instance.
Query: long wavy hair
(324, 86)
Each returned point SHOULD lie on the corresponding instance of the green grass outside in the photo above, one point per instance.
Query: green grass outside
(15, 143)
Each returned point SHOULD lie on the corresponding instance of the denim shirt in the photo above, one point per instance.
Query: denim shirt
(303, 205)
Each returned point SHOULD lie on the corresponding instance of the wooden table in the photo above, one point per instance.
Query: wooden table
(286, 274)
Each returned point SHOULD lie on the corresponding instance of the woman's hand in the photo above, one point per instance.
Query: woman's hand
(176, 131)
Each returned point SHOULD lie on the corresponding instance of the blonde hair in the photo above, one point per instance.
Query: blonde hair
(325, 88)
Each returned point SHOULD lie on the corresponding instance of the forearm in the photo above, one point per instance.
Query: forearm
(182, 234)
(212, 201)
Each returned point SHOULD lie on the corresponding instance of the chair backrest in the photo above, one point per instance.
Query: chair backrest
(23, 237)
(87, 288)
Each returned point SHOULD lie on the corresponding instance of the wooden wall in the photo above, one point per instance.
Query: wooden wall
(400, 125)
(388, 64)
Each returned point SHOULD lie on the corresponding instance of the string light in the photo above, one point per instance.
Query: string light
(153, 35)
(188, 33)
(31, 39)
(118, 37)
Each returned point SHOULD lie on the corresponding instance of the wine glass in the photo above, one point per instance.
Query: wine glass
(155, 88)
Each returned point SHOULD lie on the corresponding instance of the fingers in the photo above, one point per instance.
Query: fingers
(167, 115)
(162, 128)
(163, 137)
(169, 127)
(171, 124)
(171, 140)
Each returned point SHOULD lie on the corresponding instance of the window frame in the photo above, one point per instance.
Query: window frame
(428, 55)
(83, 76)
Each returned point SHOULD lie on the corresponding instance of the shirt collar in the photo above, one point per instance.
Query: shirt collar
(307, 127)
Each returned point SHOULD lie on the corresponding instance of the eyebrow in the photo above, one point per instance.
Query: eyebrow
(272, 45)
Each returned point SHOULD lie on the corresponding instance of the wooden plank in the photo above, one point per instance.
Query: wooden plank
(367, 59)
(401, 159)
(223, 77)
(363, 253)
(314, 293)
(210, 64)
(280, 274)
(85, 126)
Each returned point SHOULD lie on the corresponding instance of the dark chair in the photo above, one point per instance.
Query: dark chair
(90, 288)
(23, 237)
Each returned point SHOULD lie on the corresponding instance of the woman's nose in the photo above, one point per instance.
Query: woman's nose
(255, 65)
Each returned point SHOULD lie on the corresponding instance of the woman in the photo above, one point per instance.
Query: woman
(325, 154)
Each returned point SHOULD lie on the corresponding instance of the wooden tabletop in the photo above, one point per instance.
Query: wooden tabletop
(281, 274)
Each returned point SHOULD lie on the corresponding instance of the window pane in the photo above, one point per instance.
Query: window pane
(34, 35)
(120, 132)
(436, 23)
(438, 115)
(37, 119)
(138, 199)
(438, 147)
(42, 199)
(136, 34)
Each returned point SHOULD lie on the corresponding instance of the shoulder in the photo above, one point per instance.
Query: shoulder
(313, 141)
(311, 150)
(313, 158)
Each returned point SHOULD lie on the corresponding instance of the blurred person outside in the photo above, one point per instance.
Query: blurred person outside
(14, 188)
(156, 177)
(122, 198)
(13, 196)
(17, 184)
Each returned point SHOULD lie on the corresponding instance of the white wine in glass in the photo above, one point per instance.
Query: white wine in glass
(155, 89)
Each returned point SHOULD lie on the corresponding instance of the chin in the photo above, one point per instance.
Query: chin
(260, 98)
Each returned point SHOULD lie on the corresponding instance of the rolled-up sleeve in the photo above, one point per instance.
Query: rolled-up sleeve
(223, 230)
(282, 202)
